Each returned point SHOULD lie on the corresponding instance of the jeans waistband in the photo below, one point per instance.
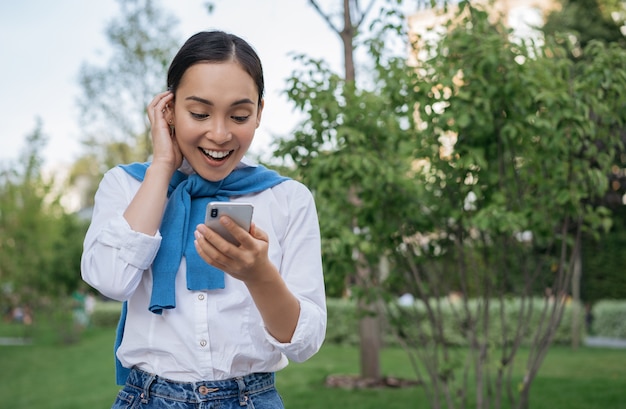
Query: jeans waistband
(201, 391)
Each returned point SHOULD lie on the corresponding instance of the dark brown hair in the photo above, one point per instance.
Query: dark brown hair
(215, 46)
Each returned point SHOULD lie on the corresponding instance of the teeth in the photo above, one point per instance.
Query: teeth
(216, 154)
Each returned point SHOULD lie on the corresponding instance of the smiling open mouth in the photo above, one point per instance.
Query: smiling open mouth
(216, 155)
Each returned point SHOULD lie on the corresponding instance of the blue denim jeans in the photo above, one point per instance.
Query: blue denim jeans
(145, 390)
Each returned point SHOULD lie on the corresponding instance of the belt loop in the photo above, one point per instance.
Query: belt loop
(145, 395)
(243, 397)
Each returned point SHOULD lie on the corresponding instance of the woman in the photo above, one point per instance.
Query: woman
(206, 322)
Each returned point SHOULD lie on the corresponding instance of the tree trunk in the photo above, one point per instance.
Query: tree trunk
(369, 331)
(347, 38)
(576, 315)
(369, 327)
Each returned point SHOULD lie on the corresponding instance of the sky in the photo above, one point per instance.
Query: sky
(44, 43)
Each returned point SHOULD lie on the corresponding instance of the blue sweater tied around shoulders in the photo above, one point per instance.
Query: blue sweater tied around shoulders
(188, 198)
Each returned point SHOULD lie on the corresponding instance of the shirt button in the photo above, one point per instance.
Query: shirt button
(203, 343)
(201, 297)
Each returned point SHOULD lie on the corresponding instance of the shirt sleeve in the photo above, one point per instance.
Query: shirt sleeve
(114, 256)
(302, 271)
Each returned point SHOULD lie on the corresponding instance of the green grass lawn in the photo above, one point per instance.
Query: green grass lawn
(48, 375)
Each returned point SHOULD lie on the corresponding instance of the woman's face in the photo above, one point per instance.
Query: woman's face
(216, 113)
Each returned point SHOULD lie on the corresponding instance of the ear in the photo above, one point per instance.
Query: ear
(259, 113)
(169, 114)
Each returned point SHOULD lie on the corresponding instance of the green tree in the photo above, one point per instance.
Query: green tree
(515, 144)
(352, 17)
(116, 93)
(476, 171)
(40, 244)
(586, 21)
(347, 135)
(349, 150)
(601, 275)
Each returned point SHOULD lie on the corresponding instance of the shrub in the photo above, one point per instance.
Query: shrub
(609, 319)
(412, 323)
(106, 314)
(343, 325)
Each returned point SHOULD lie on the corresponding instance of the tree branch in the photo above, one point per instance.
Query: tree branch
(324, 16)
(365, 13)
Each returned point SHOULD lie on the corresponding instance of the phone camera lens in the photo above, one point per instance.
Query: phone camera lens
(213, 212)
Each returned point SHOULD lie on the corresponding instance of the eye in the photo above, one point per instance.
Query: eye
(240, 119)
(198, 116)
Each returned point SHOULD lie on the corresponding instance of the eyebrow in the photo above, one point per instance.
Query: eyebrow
(207, 102)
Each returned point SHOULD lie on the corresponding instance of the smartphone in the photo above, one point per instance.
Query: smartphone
(241, 213)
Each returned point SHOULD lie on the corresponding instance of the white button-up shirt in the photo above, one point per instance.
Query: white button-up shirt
(212, 334)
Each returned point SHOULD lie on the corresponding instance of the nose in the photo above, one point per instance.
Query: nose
(219, 132)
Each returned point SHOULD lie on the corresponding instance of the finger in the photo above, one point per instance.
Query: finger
(156, 100)
(236, 230)
(159, 105)
(219, 246)
(206, 249)
(205, 252)
(258, 234)
(160, 96)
